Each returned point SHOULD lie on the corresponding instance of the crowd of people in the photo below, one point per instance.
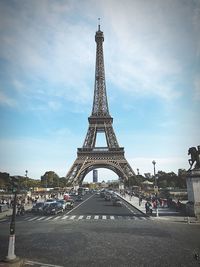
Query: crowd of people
(152, 202)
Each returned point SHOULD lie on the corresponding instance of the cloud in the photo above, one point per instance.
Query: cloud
(197, 88)
(6, 100)
(46, 53)
(155, 44)
(140, 47)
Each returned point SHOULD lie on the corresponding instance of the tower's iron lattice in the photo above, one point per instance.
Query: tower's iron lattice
(90, 157)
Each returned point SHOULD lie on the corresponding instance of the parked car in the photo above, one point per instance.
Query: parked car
(49, 201)
(38, 207)
(107, 197)
(117, 202)
(63, 202)
(70, 204)
(102, 194)
(79, 198)
(53, 208)
(3, 207)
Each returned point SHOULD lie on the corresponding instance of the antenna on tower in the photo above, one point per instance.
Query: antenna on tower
(99, 24)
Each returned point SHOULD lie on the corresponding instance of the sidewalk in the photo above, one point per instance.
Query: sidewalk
(8, 213)
(163, 213)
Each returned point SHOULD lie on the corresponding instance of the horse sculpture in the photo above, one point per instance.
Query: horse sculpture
(195, 157)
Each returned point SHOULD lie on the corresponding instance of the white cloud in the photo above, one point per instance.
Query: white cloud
(141, 41)
(6, 100)
(154, 44)
(197, 88)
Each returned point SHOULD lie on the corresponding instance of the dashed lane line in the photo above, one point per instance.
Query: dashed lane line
(80, 204)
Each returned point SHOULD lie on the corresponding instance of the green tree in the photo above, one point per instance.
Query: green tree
(50, 179)
(4, 180)
(62, 182)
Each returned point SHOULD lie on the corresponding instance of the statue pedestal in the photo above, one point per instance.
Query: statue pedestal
(193, 190)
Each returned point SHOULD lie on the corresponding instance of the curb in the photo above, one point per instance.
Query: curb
(12, 263)
(134, 206)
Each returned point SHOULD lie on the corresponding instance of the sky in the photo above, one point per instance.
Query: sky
(47, 72)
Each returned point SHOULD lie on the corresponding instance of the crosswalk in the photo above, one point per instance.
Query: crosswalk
(81, 217)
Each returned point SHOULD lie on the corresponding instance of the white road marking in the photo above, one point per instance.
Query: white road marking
(39, 219)
(80, 204)
(25, 219)
(87, 217)
(32, 219)
(64, 217)
(56, 218)
(41, 264)
(48, 218)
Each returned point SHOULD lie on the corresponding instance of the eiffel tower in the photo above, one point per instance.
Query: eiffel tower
(90, 157)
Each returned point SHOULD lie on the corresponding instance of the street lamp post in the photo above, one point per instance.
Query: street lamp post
(26, 172)
(155, 186)
(11, 257)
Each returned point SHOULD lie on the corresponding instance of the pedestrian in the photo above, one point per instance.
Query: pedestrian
(178, 205)
(148, 207)
(140, 200)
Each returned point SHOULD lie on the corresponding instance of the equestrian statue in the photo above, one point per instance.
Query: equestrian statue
(195, 157)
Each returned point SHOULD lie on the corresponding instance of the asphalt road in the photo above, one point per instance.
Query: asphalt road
(95, 233)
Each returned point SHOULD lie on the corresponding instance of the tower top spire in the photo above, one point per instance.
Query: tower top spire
(98, 24)
(100, 103)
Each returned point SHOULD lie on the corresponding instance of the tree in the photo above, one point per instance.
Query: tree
(170, 179)
(4, 180)
(62, 182)
(50, 179)
(134, 181)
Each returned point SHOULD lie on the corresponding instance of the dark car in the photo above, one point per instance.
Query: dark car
(53, 208)
(63, 202)
(38, 207)
(79, 198)
(69, 204)
(117, 202)
(107, 197)
(102, 194)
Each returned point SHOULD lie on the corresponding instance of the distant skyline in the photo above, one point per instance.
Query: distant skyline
(47, 69)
